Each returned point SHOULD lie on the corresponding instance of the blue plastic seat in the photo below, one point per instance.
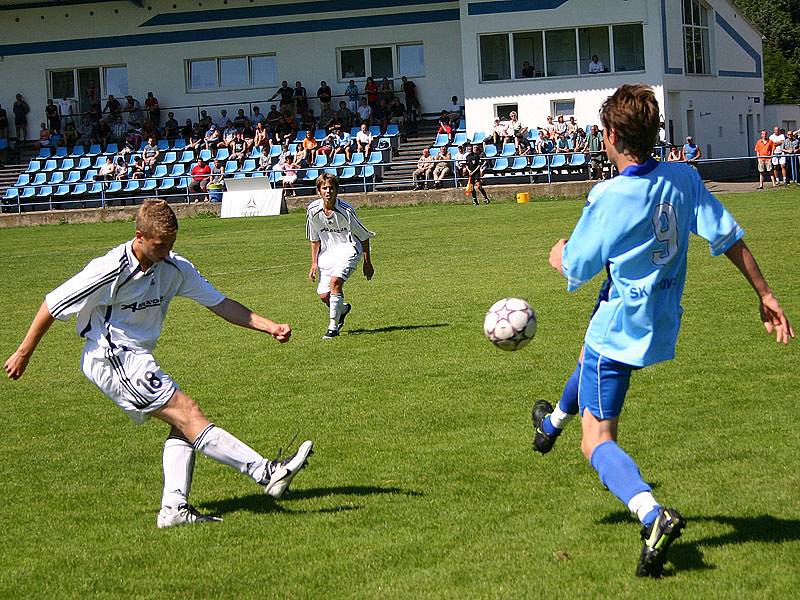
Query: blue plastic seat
(162, 145)
(45, 191)
(169, 158)
(490, 150)
(477, 137)
(520, 163)
(132, 186)
(321, 160)
(338, 160)
(205, 154)
(508, 150)
(301, 135)
(500, 164)
(23, 179)
(357, 158)
(275, 151)
(183, 183)
(248, 166)
(178, 169)
(354, 131)
(44, 154)
(149, 185)
(99, 161)
(375, 158)
(293, 148)
(539, 162)
(179, 144)
(460, 138)
(61, 152)
(62, 190)
(95, 188)
(12, 193)
(434, 152)
(331, 171)
(89, 175)
(375, 130)
(160, 171)
(311, 175)
(112, 187)
(94, 150)
(222, 154)
(27, 192)
(56, 177)
(39, 179)
(442, 139)
(73, 177)
(50, 165)
(67, 165)
(187, 156)
(240, 175)
(320, 134)
(231, 166)
(77, 151)
(84, 163)
(558, 161)
(166, 184)
(347, 173)
(112, 148)
(79, 189)
(577, 161)
(392, 130)
(34, 166)
(255, 152)
(367, 172)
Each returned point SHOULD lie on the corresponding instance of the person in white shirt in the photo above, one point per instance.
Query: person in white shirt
(456, 111)
(65, 110)
(338, 241)
(364, 139)
(778, 159)
(364, 112)
(120, 301)
(595, 65)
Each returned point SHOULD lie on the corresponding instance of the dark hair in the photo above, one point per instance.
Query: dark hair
(632, 113)
(328, 178)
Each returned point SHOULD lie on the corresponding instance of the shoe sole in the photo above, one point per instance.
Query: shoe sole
(655, 567)
(283, 476)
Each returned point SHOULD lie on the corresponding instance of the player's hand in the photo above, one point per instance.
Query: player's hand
(281, 332)
(16, 364)
(369, 270)
(774, 319)
(312, 273)
(556, 252)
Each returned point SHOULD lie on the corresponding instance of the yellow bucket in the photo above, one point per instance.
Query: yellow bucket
(523, 197)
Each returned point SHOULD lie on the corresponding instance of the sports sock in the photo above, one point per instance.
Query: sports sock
(337, 301)
(644, 506)
(483, 193)
(220, 445)
(567, 407)
(178, 464)
(619, 473)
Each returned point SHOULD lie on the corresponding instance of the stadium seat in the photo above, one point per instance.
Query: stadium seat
(62, 190)
(205, 155)
(94, 150)
(375, 130)
(44, 154)
(77, 151)
(166, 184)
(434, 152)
(12, 194)
(490, 150)
(39, 179)
(61, 152)
(338, 160)
(160, 171)
(231, 166)
(331, 171)
(132, 186)
(179, 144)
(508, 150)
(354, 131)
(375, 158)
(27, 192)
(520, 163)
(222, 154)
(259, 174)
(56, 177)
(239, 175)
(319, 135)
(79, 189)
(3, 143)
(367, 172)
(178, 169)
(477, 137)
(112, 187)
(301, 135)
(84, 163)
(95, 188)
(23, 179)
(183, 184)
(275, 151)
(67, 165)
(293, 149)
(73, 177)
(45, 191)
(357, 158)
(162, 145)
(34, 166)
(500, 164)
(442, 139)
(50, 165)
(111, 148)
(392, 130)
(460, 138)
(578, 161)
(248, 166)
(255, 152)
(558, 161)
(348, 173)
(89, 175)
(169, 158)
(539, 163)
(275, 177)
(311, 175)
(99, 161)
(149, 185)
(321, 160)
(187, 156)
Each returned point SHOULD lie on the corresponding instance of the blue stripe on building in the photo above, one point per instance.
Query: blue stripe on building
(742, 43)
(506, 6)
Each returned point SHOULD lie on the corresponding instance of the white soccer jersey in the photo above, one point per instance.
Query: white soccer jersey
(340, 234)
(119, 305)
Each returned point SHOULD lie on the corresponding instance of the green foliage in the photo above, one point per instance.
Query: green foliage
(422, 484)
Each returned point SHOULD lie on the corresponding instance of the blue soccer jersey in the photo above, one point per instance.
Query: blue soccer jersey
(637, 227)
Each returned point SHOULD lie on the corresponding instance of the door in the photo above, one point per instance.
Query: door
(750, 142)
(88, 88)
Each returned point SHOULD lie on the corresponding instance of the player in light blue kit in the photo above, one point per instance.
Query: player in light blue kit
(636, 227)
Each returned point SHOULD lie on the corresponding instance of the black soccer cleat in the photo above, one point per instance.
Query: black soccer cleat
(345, 311)
(541, 441)
(657, 539)
(330, 334)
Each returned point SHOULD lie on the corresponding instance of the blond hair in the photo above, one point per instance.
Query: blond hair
(632, 112)
(156, 217)
(328, 178)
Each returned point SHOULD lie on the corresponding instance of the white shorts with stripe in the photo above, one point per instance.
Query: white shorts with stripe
(341, 266)
(131, 378)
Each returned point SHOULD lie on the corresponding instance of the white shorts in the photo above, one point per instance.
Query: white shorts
(778, 160)
(338, 267)
(131, 378)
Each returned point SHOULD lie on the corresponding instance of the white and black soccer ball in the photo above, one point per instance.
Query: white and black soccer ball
(510, 323)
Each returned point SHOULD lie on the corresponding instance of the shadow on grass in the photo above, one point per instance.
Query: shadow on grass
(688, 555)
(395, 328)
(262, 503)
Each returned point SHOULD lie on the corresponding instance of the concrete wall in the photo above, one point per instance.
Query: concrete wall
(781, 115)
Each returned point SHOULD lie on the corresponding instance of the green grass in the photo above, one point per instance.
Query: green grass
(423, 484)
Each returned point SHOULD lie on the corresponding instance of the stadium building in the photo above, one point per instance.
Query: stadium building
(702, 56)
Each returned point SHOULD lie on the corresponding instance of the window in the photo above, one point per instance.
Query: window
(563, 107)
(388, 61)
(232, 72)
(695, 37)
(502, 111)
(561, 52)
(495, 60)
(594, 41)
(116, 81)
(62, 84)
(528, 48)
(628, 48)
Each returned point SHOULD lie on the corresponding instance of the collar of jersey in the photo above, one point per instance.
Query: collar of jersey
(135, 266)
(639, 170)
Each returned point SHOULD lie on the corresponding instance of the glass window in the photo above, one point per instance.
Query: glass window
(411, 60)
(202, 74)
(495, 60)
(233, 72)
(62, 83)
(593, 41)
(263, 71)
(695, 36)
(381, 63)
(528, 55)
(116, 81)
(561, 52)
(353, 64)
(563, 107)
(628, 48)
(502, 111)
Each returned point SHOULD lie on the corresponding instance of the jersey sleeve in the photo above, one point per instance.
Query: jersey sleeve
(588, 248)
(194, 285)
(312, 233)
(713, 222)
(89, 288)
(357, 227)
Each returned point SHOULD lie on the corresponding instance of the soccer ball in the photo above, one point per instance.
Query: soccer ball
(510, 323)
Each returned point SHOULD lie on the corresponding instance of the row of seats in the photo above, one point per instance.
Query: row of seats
(461, 137)
(489, 150)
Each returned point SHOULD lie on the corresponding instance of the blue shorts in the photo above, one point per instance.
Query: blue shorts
(603, 385)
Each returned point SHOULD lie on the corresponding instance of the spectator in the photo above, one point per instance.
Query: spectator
(3, 123)
(64, 110)
(595, 66)
(344, 115)
(527, 69)
(445, 126)
(791, 147)
(342, 143)
(364, 112)
(187, 129)
(21, 110)
(300, 97)
(515, 129)
(351, 91)
(44, 136)
(287, 98)
(397, 116)
(70, 135)
(596, 149)
(273, 117)
(200, 174)
(543, 143)
(120, 169)
(171, 127)
(206, 121)
(441, 169)
(324, 94)
(412, 101)
(778, 159)
(674, 154)
(257, 117)
(289, 178)
(137, 168)
(223, 120)
(149, 129)
(240, 120)
(53, 118)
(107, 172)
(550, 128)
(261, 136)
(764, 149)
(371, 91)
(264, 162)
(134, 111)
(238, 148)
(691, 152)
(562, 144)
(112, 109)
(152, 108)
(386, 90)
(456, 111)
(459, 163)
(286, 130)
(364, 139)
(572, 127)
(212, 139)
(150, 154)
(579, 141)
(119, 131)
(499, 133)
(524, 148)
(309, 122)
(326, 116)
(216, 181)
(195, 140)
(424, 170)
(87, 134)
(126, 149)
(104, 133)
(561, 125)
(229, 133)
(310, 145)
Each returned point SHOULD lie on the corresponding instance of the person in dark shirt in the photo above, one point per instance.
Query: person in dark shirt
(473, 163)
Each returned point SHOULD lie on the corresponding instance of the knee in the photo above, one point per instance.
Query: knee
(326, 297)
(336, 285)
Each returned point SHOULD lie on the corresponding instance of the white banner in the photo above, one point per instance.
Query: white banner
(253, 203)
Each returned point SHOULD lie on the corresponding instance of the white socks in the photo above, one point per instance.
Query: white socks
(641, 504)
(178, 463)
(559, 418)
(337, 303)
(220, 445)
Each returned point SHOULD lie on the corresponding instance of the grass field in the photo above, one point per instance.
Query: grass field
(423, 484)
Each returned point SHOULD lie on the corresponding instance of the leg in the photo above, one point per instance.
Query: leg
(336, 307)
(550, 422)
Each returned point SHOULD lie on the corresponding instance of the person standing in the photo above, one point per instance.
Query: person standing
(764, 149)
(691, 152)
(120, 301)
(474, 182)
(778, 159)
(338, 242)
(21, 110)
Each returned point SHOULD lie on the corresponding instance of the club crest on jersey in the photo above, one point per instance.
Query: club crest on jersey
(134, 306)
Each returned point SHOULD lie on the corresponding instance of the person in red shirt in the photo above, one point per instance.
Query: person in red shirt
(153, 110)
(200, 176)
(764, 149)
(371, 91)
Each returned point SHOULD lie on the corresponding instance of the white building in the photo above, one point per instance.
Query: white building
(701, 56)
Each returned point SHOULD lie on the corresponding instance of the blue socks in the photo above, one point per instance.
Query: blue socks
(621, 476)
(567, 406)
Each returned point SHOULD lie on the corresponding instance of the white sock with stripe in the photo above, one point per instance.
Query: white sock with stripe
(337, 302)
(220, 445)
(178, 463)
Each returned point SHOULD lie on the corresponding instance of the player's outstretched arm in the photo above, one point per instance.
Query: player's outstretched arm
(240, 315)
(772, 314)
(17, 363)
(369, 270)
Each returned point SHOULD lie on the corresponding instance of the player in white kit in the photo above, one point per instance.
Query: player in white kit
(120, 301)
(338, 241)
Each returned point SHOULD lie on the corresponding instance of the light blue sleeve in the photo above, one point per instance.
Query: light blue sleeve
(588, 248)
(713, 222)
